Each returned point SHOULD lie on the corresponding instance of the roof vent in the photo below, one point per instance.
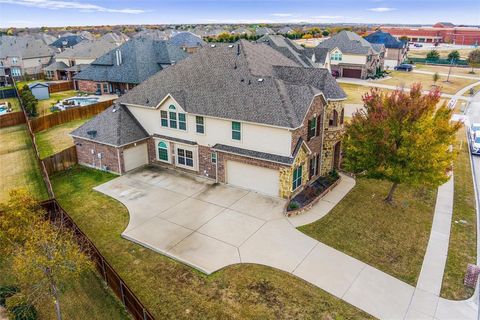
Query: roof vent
(92, 133)
(230, 45)
(118, 56)
(212, 46)
(260, 80)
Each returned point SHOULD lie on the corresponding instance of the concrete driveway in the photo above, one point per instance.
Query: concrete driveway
(190, 218)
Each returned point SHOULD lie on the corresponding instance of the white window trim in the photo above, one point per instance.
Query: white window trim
(194, 151)
(177, 120)
(231, 132)
(293, 178)
(204, 125)
(169, 152)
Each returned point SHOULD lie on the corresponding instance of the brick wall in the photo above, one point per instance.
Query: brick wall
(205, 165)
(87, 86)
(109, 155)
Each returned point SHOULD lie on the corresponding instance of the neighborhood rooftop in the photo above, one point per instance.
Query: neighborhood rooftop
(90, 49)
(385, 38)
(349, 42)
(246, 82)
(23, 47)
(140, 59)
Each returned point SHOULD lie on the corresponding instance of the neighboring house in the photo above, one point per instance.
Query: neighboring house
(285, 30)
(240, 114)
(352, 56)
(242, 31)
(124, 67)
(83, 53)
(24, 56)
(3, 78)
(395, 50)
(65, 42)
(261, 31)
(154, 34)
(39, 90)
(187, 41)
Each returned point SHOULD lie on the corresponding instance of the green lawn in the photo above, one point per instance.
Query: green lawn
(87, 299)
(57, 138)
(18, 165)
(406, 79)
(355, 92)
(13, 102)
(172, 290)
(392, 238)
(462, 246)
(44, 106)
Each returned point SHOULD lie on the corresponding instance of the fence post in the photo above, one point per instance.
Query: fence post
(144, 314)
(121, 290)
(104, 271)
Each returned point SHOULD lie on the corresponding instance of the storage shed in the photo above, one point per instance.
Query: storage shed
(39, 90)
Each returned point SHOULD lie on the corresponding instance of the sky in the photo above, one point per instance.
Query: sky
(36, 13)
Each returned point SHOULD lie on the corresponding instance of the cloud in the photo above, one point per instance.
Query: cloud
(327, 17)
(281, 14)
(84, 7)
(381, 9)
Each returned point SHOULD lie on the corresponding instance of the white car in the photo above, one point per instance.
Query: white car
(474, 128)
(475, 144)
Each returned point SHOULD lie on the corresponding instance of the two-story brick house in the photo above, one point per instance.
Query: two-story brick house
(352, 56)
(240, 114)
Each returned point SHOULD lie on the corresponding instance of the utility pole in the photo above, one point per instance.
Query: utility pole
(449, 70)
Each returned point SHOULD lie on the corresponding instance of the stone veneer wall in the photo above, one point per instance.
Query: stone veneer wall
(286, 174)
(331, 137)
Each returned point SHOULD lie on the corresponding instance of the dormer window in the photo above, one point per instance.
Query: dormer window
(173, 119)
(337, 56)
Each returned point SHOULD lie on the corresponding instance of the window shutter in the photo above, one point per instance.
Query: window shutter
(308, 130)
(319, 123)
(318, 164)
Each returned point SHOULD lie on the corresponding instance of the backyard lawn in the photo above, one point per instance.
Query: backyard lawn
(14, 103)
(45, 105)
(18, 165)
(172, 290)
(406, 79)
(462, 246)
(392, 238)
(85, 299)
(57, 138)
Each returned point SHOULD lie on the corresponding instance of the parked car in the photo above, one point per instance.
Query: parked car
(474, 128)
(404, 67)
(418, 45)
(475, 144)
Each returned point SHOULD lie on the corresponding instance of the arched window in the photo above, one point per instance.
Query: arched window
(333, 121)
(162, 151)
(342, 116)
(172, 107)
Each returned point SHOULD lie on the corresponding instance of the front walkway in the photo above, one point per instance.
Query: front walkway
(212, 226)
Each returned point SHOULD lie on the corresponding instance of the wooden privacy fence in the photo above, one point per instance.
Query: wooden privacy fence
(60, 161)
(12, 119)
(60, 86)
(111, 277)
(56, 118)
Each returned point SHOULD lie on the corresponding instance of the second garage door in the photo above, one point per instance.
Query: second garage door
(135, 157)
(352, 73)
(255, 178)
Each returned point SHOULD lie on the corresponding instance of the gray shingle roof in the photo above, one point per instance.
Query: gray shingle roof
(141, 58)
(67, 41)
(348, 42)
(56, 66)
(288, 48)
(186, 39)
(23, 47)
(117, 128)
(223, 82)
(90, 49)
(254, 154)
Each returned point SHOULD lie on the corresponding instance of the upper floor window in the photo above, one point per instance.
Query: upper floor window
(16, 72)
(200, 124)
(337, 56)
(313, 127)
(14, 60)
(333, 121)
(173, 119)
(342, 116)
(236, 130)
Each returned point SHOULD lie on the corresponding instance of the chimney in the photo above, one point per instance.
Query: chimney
(238, 49)
(118, 55)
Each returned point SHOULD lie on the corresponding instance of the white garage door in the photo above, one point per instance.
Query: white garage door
(256, 178)
(135, 157)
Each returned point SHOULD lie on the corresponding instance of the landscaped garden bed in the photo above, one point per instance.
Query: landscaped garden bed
(305, 199)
